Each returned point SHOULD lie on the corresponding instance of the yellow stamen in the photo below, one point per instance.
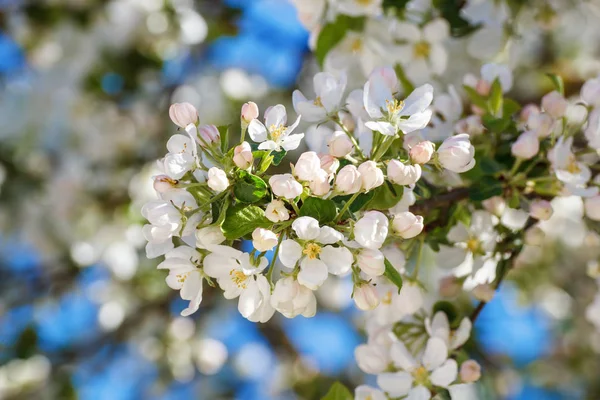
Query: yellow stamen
(364, 3)
(473, 244)
(356, 45)
(312, 250)
(573, 167)
(421, 50)
(276, 131)
(421, 376)
(317, 102)
(238, 278)
(394, 106)
(182, 277)
(387, 299)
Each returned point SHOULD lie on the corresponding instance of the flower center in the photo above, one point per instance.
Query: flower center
(473, 244)
(182, 277)
(312, 250)
(421, 376)
(239, 278)
(421, 50)
(318, 102)
(364, 3)
(387, 299)
(357, 45)
(276, 131)
(394, 106)
(573, 167)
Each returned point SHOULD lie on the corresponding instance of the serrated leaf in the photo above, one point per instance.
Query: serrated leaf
(249, 188)
(338, 392)
(558, 83)
(393, 275)
(322, 210)
(242, 219)
(385, 196)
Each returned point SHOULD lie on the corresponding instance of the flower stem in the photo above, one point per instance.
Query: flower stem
(272, 265)
(346, 206)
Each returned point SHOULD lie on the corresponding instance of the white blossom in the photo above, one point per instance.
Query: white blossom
(274, 134)
(329, 91)
(371, 230)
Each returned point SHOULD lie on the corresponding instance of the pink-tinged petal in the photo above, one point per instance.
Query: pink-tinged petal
(275, 116)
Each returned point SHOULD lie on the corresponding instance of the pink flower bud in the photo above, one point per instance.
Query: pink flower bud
(242, 155)
(371, 175)
(365, 297)
(183, 114)
(209, 135)
(555, 104)
(541, 209)
(526, 146)
(450, 286)
(407, 225)
(249, 112)
(402, 174)
(329, 163)
(340, 144)
(470, 371)
(422, 152)
(348, 180)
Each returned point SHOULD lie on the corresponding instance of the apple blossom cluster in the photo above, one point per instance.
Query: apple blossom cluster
(334, 213)
(468, 176)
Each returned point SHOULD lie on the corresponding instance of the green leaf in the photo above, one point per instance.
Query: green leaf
(333, 33)
(358, 204)
(392, 274)
(558, 83)
(485, 188)
(451, 12)
(496, 99)
(399, 5)
(322, 210)
(249, 188)
(338, 392)
(224, 134)
(406, 83)
(385, 196)
(242, 219)
(489, 166)
(278, 156)
(510, 108)
(475, 98)
(496, 125)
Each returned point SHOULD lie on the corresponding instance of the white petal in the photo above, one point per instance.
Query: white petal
(407, 31)
(385, 128)
(415, 122)
(250, 299)
(419, 393)
(268, 145)
(435, 354)
(257, 131)
(436, 31)
(312, 273)
(402, 357)
(445, 375)
(329, 235)
(376, 92)
(462, 333)
(418, 100)
(289, 253)
(396, 384)
(438, 59)
(338, 259)
(275, 116)
(292, 142)
(307, 228)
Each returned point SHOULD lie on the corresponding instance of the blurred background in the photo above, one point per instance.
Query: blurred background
(85, 87)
